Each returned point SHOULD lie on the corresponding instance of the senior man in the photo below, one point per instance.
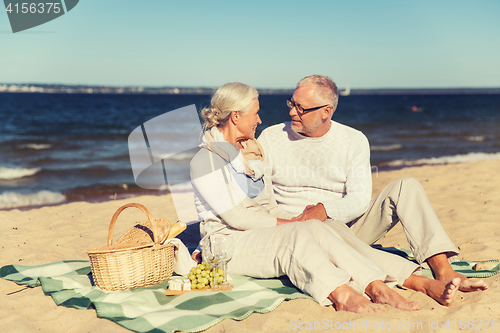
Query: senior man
(324, 166)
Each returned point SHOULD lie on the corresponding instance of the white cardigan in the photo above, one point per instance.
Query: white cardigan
(222, 205)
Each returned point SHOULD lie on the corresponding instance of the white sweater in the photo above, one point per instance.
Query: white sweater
(333, 170)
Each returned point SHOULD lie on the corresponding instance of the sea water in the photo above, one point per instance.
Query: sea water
(61, 147)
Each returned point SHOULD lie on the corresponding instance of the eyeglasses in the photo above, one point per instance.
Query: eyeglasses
(291, 104)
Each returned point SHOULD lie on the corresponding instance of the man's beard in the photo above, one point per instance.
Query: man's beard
(306, 130)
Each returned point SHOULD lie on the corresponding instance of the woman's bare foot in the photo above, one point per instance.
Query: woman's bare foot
(440, 291)
(380, 293)
(443, 272)
(344, 298)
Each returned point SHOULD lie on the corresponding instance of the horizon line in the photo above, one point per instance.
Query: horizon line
(134, 89)
(216, 87)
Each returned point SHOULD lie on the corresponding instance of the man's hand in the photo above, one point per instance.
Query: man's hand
(308, 207)
(317, 212)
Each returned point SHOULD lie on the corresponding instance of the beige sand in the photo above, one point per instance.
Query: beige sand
(465, 197)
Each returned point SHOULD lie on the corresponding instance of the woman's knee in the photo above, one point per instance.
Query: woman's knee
(313, 223)
(322, 231)
(300, 230)
(316, 227)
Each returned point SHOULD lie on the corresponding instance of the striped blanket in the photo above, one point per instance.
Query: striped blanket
(149, 310)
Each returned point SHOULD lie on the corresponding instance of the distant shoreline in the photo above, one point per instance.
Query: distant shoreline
(127, 90)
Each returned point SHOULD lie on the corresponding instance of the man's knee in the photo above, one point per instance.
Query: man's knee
(410, 183)
(404, 183)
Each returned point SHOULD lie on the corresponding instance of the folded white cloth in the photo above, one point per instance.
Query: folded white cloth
(183, 261)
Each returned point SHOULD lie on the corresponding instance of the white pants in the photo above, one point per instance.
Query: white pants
(316, 257)
(404, 200)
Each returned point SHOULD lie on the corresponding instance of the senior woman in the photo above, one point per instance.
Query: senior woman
(234, 197)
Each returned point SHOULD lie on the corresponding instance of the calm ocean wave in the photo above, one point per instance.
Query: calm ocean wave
(470, 157)
(64, 147)
(36, 146)
(16, 173)
(394, 146)
(16, 200)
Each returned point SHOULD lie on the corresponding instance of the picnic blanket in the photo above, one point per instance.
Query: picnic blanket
(464, 267)
(149, 310)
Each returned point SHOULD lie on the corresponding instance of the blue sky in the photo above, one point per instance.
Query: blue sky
(268, 44)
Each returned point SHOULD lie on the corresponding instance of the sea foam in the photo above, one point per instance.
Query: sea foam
(395, 146)
(177, 157)
(445, 159)
(476, 138)
(182, 187)
(36, 146)
(15, 200)
(15, 173)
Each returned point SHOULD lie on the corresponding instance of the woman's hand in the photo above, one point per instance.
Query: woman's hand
(293, 219)
(283, 221)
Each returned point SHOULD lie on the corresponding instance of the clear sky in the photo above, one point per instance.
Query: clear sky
(268, 44)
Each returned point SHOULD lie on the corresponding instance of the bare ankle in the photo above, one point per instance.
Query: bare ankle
(339, 294)
(344, 298)
(380, 293)
(439, 265)
(415, 282)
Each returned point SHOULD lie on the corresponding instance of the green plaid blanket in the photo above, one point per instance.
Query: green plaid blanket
(149, 310)
(464, 267)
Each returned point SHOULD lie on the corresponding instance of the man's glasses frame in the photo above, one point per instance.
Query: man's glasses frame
(291, 104)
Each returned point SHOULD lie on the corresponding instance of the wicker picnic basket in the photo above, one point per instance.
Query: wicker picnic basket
(136, 259)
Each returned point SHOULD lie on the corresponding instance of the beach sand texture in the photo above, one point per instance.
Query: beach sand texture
(465, 197)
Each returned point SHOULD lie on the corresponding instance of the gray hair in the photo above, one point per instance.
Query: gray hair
(326, 89)
(233, 96)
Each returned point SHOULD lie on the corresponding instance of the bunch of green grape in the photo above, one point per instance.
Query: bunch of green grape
(203, 275)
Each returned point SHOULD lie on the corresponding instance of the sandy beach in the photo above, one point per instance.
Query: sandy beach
(465, 197)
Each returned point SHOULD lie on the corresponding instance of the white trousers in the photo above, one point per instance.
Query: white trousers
(404, 200)
(316, 257)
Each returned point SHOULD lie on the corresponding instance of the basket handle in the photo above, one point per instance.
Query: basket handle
(121, 209)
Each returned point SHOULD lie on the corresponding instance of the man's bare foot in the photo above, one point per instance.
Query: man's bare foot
(380, 293)
(440, 291)
(443, 272)
(344, 298)
(466, 284)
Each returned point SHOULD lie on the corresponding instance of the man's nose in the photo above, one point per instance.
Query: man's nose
(293, 112)
(258, 120)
